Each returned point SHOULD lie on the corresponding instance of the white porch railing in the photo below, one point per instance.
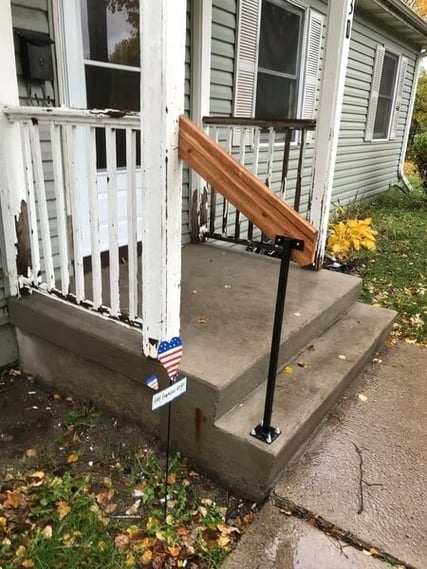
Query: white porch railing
(73, 207)
(279, 152)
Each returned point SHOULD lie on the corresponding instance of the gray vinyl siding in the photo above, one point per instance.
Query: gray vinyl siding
(224, 28)
(364, 169)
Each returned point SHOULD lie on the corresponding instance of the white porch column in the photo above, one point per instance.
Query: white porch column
(339, 23)
(12, 180)
(162, 101)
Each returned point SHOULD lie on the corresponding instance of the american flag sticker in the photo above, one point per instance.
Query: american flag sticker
(170, 355)
(152, 382)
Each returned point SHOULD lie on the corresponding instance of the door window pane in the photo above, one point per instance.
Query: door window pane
(111, 31)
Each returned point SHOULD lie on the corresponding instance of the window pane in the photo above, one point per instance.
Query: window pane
(388, 75)
(279, 39)
(382, 118)
(276, 97)
(111, 31)
(112, 88)
(385, 96)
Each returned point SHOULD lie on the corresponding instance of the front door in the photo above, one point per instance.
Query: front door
(102, 71)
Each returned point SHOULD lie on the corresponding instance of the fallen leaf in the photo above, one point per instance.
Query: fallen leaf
(121, 541)
(288, 370)
(223, 541)
(146, 557)
(47, 532)
(101, 545)
(172, 478)
(56, 397)
(31, 453)
(227, 286)
(20, 552)
(202, 510)
(130, 560)
(13, 499)
(366, 552)
(174, 551)
(302, 364)
(38, 474)
(63, 509)
(311, 348)
(362, 397)
(410, 341)
(342, 357)
(3, 522)
(297, 313)
(202, 320)
(72, 458)
(27, 563)
(110, 508)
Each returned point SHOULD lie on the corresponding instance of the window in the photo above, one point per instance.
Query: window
(277, 60)
(110, 31)
(386, 93)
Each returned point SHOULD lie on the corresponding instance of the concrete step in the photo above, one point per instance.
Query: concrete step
(302, 400)
(233, 294)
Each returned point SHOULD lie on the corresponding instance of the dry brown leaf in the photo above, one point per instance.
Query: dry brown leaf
(223, 541)
(3, 522)
(203, 320)
(121, 541)
(63, 509)
(72, 458)
(110, 508)
(13, 500)
(27, 563)
(302, 364)
(288, 369)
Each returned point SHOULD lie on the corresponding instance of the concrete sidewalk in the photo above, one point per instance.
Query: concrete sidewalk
(361, 478)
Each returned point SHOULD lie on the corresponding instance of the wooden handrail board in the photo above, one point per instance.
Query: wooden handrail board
(244, 190)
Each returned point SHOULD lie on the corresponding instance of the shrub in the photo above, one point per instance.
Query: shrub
(352, 235)
(419, 154)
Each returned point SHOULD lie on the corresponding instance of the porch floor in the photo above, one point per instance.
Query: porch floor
(227, 310)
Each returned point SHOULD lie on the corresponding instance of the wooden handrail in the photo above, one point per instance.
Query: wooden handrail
(244, 190)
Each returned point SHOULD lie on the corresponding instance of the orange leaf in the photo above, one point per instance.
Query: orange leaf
(146, 557)
(72, 458)
(63, 509)
(174, 551)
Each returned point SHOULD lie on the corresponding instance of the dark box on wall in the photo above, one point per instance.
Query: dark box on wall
(36, 55)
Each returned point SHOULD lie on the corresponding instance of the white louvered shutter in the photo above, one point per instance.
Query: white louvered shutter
(403, 64)
(246, 61)
(312, 66)
(375, 88)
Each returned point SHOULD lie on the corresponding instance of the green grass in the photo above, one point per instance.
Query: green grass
(395, 276)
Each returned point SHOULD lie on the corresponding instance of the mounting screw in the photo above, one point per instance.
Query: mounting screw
(277, 431)
(253, 432)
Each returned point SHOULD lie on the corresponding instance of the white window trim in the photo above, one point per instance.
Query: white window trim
(309, 16)
(399, 82)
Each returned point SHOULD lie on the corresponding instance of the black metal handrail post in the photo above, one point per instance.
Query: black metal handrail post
(264, 431)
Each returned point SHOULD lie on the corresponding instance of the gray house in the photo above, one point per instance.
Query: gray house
(312, 97)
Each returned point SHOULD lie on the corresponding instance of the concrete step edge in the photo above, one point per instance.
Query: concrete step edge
(235, 425)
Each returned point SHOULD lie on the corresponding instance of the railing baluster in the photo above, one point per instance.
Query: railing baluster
(58, 178)
(270, 158)
(73, 191)
(94, 221)
(132, 223)
(257, 140)
(42, 204)
(225, 208)
(213, 195)
(31, 201)
(285, 164)
(298, 187)
(113, 237)
(242, 154)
